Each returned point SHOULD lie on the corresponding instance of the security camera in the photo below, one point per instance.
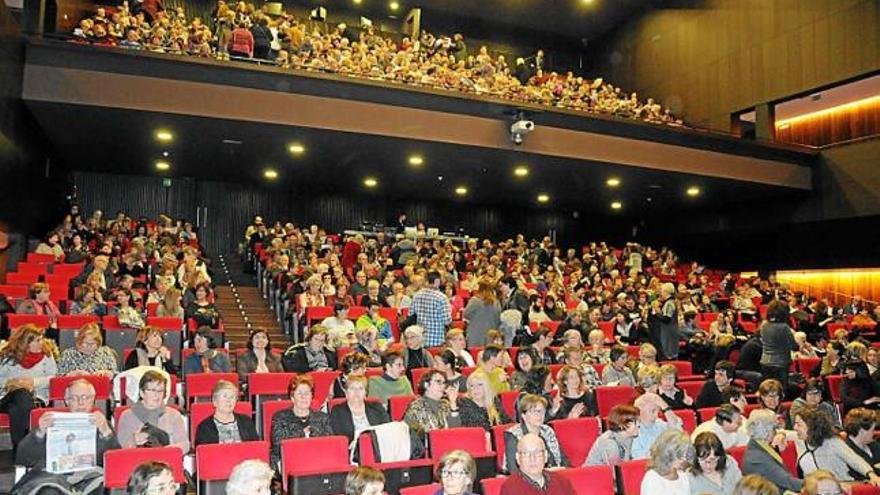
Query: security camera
(520, 128)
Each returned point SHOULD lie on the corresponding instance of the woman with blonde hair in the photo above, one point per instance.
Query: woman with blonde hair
(26, 365)
(89, 356)
(482, 313)
(755, 484)
(480, 406)
(821, 482)
(170, 305)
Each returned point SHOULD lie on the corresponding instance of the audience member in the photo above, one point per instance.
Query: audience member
(299, 421)
(27, 364)
(225, 425)
(149, 422)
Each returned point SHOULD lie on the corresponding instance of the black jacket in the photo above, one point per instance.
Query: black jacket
(342, 423)
(207, 430)
(295, 360)
(709, 396)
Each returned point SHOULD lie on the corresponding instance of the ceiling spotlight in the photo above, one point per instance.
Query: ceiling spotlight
(165, 154)
(586, 2)
(270, 173)
(616, 205)
(164, 136)
(162, 165)
(613, 182)
(394, 6)
(296, 149)
(461, 190)
(416, 160)
(357, 2)
(521, 171)
(693, 191)
(371, 182)
(543, 198)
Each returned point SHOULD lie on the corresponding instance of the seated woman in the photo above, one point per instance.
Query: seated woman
(860, 424)
(129, 316)
(149, 350)
(38, 303)
(576, 397)
(436, 408)
(761, 457)
(206, 359)
(615, 444)
(340, 330)
(819, 447)
(89, 356)
(480, 406)
(457, 472)
(832, 363)
(250, 477)
(353, 364)
(26, 365)
(51, 245)
(616, 373)
(355, 415)
(457, 343)
(675, 397)
(415, 355)
(170, 306)
(857, 389)
(821, 483)
(152, 478)
(446, 362)
(526, 358)
(149, 423)
(496, 337)
(300, 420)
(671, 456)
(532, 409)
(202, 310)
(258, 358)
(812, 396)
(368, 345)
(312, 355)
(714, 471)
(311, 297)
(364, 480)
(90, 302)
(226, 425)
(596, 352)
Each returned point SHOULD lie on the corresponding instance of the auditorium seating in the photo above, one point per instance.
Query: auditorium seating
(118, 464)
(215, 462)
(314, 466)
(576, 437)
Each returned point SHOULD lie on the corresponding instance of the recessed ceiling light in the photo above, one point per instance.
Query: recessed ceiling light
(461, 190)
(521, 171)
(586, 2)
(164, 136)
(616, 205)
(165, 154)
(296, 149)
(357, 2)
(613, 182)
(543, 198)
(693, 191)
(394, 6)
(270, 173)
(416, 160)
(162, 165)
(371, 182)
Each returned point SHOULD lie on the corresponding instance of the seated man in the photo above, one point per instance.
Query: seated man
(31, 453)
(726, 425)
(650, 426)
(531, 478)
(710, 394)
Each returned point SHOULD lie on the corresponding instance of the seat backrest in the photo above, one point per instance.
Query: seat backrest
(67, 270)
(834, 382)
(807, 365)
(17, 320)
(111, 322)
(590, 480)
(120, 463)
(199, 411)
(576, 437)
(313, 454)
(423, 489)
(270, 407)
(166, 323)
(738, 453)
(202, 384)
(684, 368)
(22, 278)
(608, 397)
(58, 384)
(318, 313)
(269, 383)
(631, 474)
(691, 388)
(417, 373)
(75, 322)
(470, 439)
(39, 258)
(607, 328)
(491, 486)
(707, 413)
(216, 461)
(499, 443)
(397, 405)
(508, 402)
(688, 419)
(14, 291)
(323, 386)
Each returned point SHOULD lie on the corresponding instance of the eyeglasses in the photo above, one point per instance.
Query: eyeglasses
(80, 398)
(163, 488)
(532, 454)
(453, 473)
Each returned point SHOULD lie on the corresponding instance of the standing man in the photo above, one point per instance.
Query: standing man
(531, 478)
(432, 310)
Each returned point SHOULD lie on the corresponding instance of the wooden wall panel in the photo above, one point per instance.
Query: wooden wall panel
(824, 128)
(839, 285)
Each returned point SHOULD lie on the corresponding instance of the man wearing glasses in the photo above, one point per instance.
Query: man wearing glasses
(79, 397)
(532, 478)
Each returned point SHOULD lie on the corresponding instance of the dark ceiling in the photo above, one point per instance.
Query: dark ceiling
(122, 141)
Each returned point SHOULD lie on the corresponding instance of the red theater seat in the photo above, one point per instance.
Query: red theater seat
(576, 437)
(314, 465)
(120, 463)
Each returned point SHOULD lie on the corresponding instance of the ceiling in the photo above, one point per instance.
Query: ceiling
(576, 19)
(123, 141)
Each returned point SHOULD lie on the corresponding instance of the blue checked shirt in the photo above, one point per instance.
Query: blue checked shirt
(433, 313)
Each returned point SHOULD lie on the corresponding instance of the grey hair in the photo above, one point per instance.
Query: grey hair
(414, 330)
(761, 424)
(245, 474)
(670, 446)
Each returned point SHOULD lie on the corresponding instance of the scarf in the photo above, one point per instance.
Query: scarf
(148, 416)
(316, 359)
(31, 359)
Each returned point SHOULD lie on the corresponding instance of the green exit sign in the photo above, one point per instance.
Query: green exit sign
(166, 182)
